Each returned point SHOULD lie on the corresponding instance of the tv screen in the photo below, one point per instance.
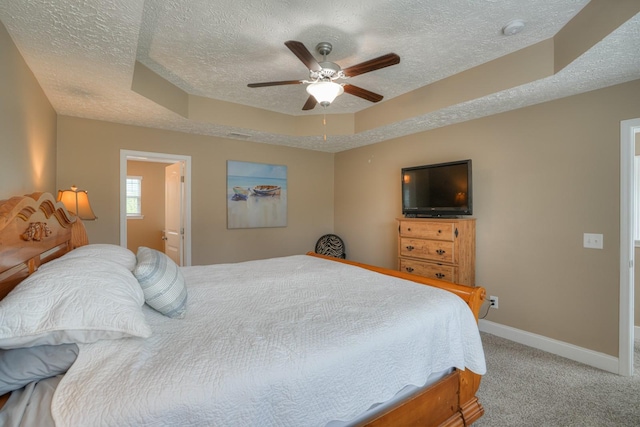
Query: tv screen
(442, 189)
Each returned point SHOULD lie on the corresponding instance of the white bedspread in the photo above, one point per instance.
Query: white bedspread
(293, 341)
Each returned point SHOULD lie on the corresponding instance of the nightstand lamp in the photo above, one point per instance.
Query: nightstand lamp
(77, 202)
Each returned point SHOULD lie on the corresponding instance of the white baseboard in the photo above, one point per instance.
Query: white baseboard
(570, 351)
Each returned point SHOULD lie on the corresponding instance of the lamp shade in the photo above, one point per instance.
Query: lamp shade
(325, 91)
(77, 202)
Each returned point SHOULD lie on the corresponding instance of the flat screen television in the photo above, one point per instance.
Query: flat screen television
(438, 190)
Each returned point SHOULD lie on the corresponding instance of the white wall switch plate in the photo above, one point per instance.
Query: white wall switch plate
(593, 241)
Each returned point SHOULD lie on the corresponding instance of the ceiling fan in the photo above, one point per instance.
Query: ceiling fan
(322, 86)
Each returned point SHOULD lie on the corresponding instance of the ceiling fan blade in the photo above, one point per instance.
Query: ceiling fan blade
(284, 82)
(303, 55)
(310, 104)
(372, 65)
(362, 93)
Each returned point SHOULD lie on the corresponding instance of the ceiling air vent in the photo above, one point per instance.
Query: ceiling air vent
(238, 135)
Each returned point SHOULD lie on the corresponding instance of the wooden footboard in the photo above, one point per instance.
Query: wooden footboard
(451, 401)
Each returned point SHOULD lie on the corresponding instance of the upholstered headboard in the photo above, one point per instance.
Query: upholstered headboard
(34, 229)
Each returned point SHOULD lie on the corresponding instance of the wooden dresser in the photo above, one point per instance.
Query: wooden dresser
(438, 248)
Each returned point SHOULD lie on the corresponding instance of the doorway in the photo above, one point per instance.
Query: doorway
(184, 199)
(628, 131)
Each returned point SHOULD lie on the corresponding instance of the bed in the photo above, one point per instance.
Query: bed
(300, 340)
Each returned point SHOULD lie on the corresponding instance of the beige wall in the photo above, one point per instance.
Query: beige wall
(543, 176)
(89, 153)
(27, 127)
(147, 231)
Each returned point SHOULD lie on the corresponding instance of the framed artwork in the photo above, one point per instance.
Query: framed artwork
(256, 195)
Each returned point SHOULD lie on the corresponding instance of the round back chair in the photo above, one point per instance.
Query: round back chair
(331, 245)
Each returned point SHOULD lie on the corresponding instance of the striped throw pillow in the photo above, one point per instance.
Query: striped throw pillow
(162, 282)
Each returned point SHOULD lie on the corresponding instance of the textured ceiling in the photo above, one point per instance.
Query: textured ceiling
(83, 54)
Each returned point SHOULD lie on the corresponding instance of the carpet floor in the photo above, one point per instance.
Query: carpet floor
(529, 387)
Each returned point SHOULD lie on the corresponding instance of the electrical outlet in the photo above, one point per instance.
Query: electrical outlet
(493, 302)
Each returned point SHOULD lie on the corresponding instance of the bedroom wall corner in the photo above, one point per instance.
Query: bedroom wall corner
(543, 176)
(27, 127)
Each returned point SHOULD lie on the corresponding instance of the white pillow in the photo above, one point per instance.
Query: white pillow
(103, 251)
(78, 300)
(162, 282)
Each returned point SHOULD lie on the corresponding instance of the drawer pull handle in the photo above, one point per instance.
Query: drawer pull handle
(440, 251)
(409, 269)
(409, 229)
(440, 275)
(410, 248)
(439, 231)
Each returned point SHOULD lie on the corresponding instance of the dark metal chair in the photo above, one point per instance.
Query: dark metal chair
(331, 245)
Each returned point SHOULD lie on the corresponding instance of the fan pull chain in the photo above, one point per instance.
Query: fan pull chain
(324, 123)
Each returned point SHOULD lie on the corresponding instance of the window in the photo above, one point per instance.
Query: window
(636, 207)
(134, 197)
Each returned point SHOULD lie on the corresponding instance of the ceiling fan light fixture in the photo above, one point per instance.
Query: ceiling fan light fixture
(325, 91)
(321, 86)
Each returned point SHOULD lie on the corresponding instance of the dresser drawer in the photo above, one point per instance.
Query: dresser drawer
(439, 248)
(428, 269)
(436, 250)
(428, 230)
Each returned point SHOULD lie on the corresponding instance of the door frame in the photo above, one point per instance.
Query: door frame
(628, 129)
(147, 156)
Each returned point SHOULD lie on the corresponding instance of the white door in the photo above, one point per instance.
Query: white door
(173, 221)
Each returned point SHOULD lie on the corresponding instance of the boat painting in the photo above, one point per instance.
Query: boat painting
(256, 195)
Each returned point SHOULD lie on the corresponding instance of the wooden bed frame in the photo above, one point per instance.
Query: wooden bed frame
(35, 229)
